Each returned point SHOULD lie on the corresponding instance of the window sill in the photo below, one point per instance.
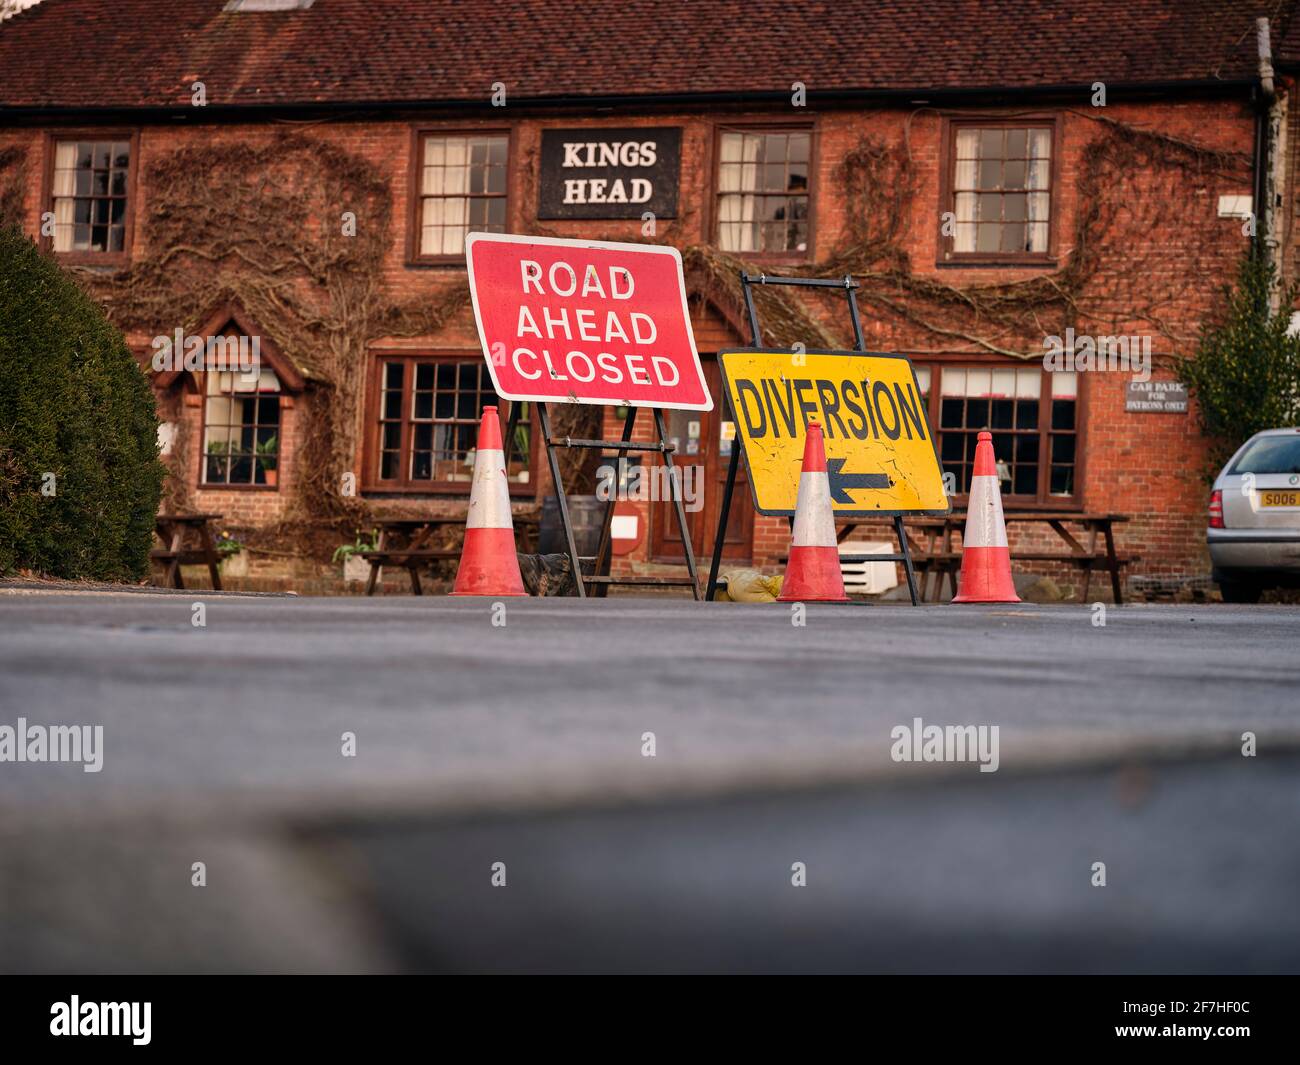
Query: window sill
(91, 258)
(238, 488)
(771, 257)
(984, 263)
(440, 261)
(456, 490)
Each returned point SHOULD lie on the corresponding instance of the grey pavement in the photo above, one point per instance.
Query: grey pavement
(478, 742)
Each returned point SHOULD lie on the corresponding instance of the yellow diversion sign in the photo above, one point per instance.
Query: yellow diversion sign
(880, 453)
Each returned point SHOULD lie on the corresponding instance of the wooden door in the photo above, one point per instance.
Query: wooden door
(704, 441)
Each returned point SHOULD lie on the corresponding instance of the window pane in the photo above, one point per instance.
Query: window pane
(1062, 414)
(775, 164)
(463, 185)
(1062, 448)
(89, 195)
(447, 398)
(1027, 448)
(1001, 163)
(1014, 238)
(1065, 384)
(1029, 384)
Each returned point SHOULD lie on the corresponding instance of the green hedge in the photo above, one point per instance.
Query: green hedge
(73, 402)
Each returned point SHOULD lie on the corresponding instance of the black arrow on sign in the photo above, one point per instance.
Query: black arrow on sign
(841, 482)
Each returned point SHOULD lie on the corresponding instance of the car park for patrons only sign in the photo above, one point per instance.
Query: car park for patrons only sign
(880, 453)
(585, 321)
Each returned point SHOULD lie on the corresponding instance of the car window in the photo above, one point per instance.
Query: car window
(1270, 454)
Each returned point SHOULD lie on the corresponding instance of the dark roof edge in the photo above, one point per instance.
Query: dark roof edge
(829, 96)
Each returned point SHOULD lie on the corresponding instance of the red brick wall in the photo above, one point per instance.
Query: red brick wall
(1144, 465)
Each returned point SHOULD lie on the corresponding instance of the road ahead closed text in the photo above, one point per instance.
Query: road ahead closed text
(880, 454)
(585, 322)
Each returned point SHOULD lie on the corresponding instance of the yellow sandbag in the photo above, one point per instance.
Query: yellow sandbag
(749, 586)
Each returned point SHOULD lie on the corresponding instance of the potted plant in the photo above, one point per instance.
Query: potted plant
(234, 561)
(217, 452)
(355, 566)
(268, 458)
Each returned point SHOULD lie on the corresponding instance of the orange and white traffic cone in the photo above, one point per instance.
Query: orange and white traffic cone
(813, 572)
(985, 556)
(488, 563)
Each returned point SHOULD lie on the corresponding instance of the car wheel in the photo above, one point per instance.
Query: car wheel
(1240, 591)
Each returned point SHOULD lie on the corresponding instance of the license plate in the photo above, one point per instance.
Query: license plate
(1279, 499)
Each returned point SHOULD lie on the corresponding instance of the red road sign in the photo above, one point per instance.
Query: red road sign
(585, 321)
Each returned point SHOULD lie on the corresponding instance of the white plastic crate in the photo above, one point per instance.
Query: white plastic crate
(868, 578)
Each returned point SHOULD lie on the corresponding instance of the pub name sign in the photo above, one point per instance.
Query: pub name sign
(609, 173)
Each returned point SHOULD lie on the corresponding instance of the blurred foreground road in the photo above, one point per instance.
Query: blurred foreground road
(522, 744)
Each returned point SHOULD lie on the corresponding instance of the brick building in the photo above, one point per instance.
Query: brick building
(303, 172)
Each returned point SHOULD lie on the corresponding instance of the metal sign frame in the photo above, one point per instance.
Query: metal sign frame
(600, 577)
(849, 287)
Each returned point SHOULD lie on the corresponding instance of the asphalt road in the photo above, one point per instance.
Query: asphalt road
(521, 741)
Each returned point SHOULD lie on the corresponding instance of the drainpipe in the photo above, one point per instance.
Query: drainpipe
(1270, 132)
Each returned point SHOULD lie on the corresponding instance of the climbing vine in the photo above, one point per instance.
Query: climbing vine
(1131, 259)
(262, 225)
(13, 180)
(270, 227)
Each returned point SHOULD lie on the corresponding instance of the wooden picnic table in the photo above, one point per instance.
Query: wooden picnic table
(174, 530)
(404, 542)
(936, 554)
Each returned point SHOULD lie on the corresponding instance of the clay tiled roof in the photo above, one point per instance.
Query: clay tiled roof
(146, 53)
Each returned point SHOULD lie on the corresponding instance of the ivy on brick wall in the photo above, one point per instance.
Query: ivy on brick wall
(13, 181)
(261, 224)
(1136, 254)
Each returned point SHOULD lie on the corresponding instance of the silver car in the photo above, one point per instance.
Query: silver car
(1254, 532)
